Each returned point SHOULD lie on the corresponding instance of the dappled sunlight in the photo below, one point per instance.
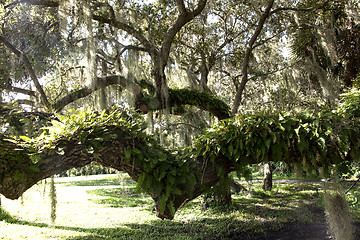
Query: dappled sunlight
(98, 211)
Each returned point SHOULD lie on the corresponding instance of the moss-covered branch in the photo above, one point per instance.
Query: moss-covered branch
(202, 100)
(114, 139)
(117, 139)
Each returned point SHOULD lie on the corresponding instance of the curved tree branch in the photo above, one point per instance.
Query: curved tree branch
(31, 71)
(249, 49)
(148, 46)
(177, 97)
(87, 90)
(117, 140)
(18, 176)
(184, 17)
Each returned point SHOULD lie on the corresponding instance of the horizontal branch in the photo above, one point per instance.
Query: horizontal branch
(177, 97)
(19, 171)
(45, 3)
(87, 90)
(117, 139)
(148, 46)
(18, 90)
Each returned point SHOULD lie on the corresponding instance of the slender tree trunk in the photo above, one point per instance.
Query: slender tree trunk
(267, 185)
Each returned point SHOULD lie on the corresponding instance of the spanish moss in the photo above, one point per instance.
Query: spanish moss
(53, 200)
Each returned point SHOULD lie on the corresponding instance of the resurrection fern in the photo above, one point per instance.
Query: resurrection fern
(325, 139)
(162, 173)
(313, 140)
(201, 99)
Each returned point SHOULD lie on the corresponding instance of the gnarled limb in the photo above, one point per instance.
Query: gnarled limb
(21, 168)
(116, 139)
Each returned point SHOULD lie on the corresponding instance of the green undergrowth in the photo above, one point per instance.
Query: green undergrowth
(90, 209)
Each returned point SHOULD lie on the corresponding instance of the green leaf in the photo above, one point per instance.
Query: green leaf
(18, 176)
(176, 191)
(96, 156)
(140, 182)
(171, 208)
(220, 171)
(276, 152)
(171, 179)
(162, 203)
(158, 188)
(231, 150)
(136, 151)
(34, 168)
(25, 138)
(127, 153)
(267, 143)
(303, 144)
(35, 158)
(148, 181)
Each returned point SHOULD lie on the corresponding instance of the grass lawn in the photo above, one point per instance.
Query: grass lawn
(104, 207)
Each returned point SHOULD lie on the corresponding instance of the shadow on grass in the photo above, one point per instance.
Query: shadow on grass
(119, 197)
(82, 183)
(246, 218)
(6, 217)
(204, 227)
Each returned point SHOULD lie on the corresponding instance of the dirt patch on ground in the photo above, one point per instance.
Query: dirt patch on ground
(301, 231)
(293, 231)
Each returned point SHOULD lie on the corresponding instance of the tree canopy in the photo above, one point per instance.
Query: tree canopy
(176, 63)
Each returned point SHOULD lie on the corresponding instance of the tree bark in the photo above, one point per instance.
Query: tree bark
(267, 184)
(18, 171)
(30, 69)
(249, 49)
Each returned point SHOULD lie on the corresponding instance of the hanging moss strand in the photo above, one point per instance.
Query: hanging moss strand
(53, 200)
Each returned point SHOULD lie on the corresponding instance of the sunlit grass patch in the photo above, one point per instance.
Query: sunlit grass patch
(118, 197)
(101, 208)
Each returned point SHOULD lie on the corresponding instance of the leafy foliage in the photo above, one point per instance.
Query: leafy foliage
(325, 139)
(162, 173)
(315, 140)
